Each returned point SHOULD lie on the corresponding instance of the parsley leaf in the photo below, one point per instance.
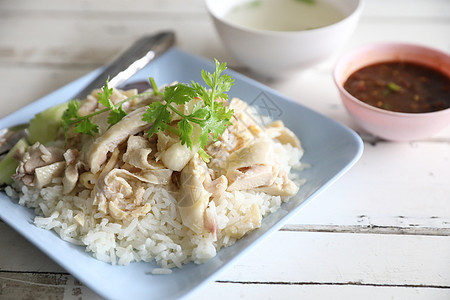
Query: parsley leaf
(185, 130)
(157, 114)
(212, 116)
(218, 115)
(71, 116)
(199, 112)
(104, 97)
(116, 112)
(179, 94)
(219, 84)
(86, 126)
(115, 115)
(70, 113)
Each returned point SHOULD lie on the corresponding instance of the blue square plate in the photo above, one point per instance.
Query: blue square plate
(330, 148)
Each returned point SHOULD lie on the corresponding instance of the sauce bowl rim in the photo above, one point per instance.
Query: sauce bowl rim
(339, 79)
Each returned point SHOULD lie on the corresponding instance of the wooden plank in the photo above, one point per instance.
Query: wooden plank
(314, 258)
(103, 6)
(75, 40)
(225, 291)
(376, 8)
(370, 229)
(28, 83)
(61, 286)
(407, 9)
(398, 185)
(17, 254)
(88, 38)
(347, 258)
(15, 285)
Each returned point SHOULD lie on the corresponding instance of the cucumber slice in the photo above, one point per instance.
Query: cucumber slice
(45, 125)
(8, 164)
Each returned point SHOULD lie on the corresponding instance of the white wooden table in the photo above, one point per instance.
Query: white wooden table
(381, 232)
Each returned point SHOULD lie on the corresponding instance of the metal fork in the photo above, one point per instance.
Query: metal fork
(141, 53)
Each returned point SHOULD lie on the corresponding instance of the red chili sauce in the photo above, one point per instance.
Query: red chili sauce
(401, 87)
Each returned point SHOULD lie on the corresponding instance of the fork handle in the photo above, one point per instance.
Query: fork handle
(131, 61)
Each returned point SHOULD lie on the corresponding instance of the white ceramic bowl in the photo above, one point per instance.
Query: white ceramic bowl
(280, 53)
(389, 125)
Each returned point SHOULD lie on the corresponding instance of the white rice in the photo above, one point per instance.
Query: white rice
(158, 236)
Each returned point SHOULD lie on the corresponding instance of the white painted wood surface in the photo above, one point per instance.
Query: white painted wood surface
(381, 232)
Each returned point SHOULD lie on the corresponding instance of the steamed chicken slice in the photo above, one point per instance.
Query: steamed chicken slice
(251, 166)
(252, 177)
(71, 174)
(194, 197)
(256, 166)
(196, 189)
(259, 152)
(245, 128)
(113, 137)
(139, 154)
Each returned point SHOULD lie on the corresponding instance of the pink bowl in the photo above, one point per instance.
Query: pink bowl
(394, 126)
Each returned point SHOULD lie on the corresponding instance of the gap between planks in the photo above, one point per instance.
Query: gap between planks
(368, 229)
(349, 283)
(297, 283)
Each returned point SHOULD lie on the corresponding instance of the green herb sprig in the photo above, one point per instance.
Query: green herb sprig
(211, 115)
(83, 124)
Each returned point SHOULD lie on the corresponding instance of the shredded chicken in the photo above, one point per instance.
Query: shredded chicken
(113, 137)
(71, 172)
(37, 166)
(140, 154)
(117, 165)
(194, 198)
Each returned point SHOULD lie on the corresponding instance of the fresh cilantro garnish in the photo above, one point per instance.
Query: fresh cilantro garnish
(86, 126)
(209, 112)
(116, 112)
(159, 115)
(104, 97)
(211, 115)
(83, 124)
